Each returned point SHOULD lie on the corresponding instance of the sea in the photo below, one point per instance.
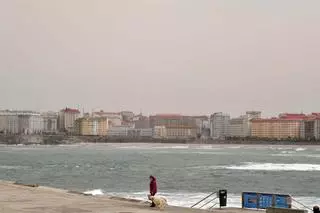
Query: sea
(185, 173)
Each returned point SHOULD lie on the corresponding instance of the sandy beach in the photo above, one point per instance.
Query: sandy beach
(24, 199)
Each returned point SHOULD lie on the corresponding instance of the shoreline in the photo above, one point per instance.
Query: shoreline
(20, 198)
(65, 140)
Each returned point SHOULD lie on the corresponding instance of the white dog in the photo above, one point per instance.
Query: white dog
(160, 202)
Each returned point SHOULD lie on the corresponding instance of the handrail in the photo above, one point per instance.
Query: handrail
(204, 199)
(213, 206)
(301, 203)
(208, 202)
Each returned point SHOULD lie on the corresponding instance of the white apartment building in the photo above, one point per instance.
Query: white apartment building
(219, 125)
(160, 132)
(241, 126)
(50, 122)
(67, 118)
(20, 122)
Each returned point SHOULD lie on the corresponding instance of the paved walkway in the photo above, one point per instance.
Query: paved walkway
(22, 199)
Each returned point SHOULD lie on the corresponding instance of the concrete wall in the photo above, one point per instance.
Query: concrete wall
(278, 210)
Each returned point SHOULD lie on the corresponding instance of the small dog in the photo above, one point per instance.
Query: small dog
(160, 202)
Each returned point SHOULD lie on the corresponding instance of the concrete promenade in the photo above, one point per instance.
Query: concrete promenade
(23, 199)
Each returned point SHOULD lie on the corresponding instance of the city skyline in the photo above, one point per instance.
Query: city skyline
(161, 56)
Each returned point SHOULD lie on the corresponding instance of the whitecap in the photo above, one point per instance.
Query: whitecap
(94, 192)
(8, 167)
(274, 167)
(300, 149)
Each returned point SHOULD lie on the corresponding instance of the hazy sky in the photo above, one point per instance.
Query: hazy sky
(188, 56)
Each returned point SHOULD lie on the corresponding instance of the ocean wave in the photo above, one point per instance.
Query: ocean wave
(274, 167)
(300, 149)
(8, 167)
(94, 192)
(288, 154)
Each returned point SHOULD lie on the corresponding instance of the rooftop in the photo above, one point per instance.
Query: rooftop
(69, 110)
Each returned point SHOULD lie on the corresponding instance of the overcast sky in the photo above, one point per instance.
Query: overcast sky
(188, 56)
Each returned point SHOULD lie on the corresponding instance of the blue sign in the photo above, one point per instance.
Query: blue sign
(282, 201)
(252, 200)
(265, 201)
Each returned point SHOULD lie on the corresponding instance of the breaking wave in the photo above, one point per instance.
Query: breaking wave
(94, 192)
(274, 167)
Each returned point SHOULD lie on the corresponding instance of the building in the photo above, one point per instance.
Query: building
(114, 118)
(140, 133)
(67, 118)
(119, 131)
(160, 132)
(219, 125)
(310, 127)
(20, 122)
(284, 127)
(202, 123)
(141, 122)
(50, 122)
(241, 126)
(127, 116)
(177, 126)
(91, 126)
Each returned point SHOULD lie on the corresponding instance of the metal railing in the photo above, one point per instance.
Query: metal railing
(206, 201)
(294, 201)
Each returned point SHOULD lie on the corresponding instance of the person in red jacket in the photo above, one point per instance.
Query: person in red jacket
(153, 188)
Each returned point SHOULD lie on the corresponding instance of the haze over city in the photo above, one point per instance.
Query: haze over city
(160, 55)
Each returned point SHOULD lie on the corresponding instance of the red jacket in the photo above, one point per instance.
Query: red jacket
(153, 186)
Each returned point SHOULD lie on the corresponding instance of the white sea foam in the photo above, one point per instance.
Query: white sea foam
(8, 167)
(94, 192)
(274, 167)
(300, 149)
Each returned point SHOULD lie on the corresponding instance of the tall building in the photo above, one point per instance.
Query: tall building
(21, 122)
(219, 125)
(91, 126)
(284, 127)
(310, 127)
(241, 126)
(67, 119)
(177, 126)
(202, 123)
(50, 122)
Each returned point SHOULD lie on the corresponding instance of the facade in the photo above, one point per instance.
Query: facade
(127, 116)
(284, 127)
(114, 118)
(310, 127)
(20, 122)
(118, 131)
(67, 118)
(50, 122)
(219, 125)
(142, 122)
(202, 123)
(160, 132)
(140, 133)
(177, 126)
(91, 126)
(241, 126)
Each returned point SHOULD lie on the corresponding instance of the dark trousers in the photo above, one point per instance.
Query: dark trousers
(153, 204)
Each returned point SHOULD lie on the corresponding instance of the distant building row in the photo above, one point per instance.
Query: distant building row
(295, 126)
